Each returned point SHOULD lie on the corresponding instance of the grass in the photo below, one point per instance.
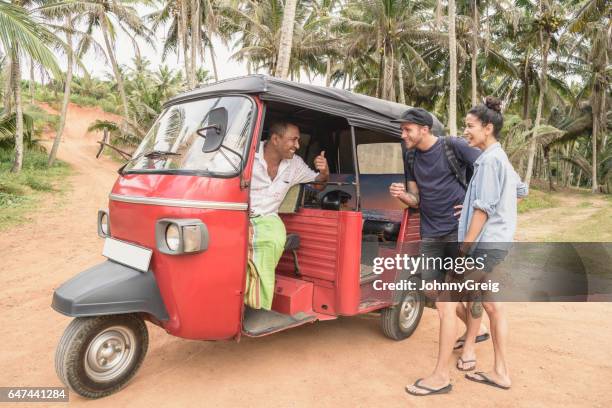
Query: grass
(44, 95)
(42, 120)
(22, 192)
(537, 200)
(595, 228)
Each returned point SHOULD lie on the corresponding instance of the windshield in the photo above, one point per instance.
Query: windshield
(173, 144)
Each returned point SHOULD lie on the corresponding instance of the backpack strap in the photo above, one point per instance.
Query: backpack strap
(453, 162)
(409, 157)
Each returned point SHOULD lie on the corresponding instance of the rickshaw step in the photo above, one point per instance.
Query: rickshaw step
(259, 322)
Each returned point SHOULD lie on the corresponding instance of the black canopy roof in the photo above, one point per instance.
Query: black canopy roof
(359, 110)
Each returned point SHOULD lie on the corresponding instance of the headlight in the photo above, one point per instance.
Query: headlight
(103, 224)
(173, 237)
(181, 236)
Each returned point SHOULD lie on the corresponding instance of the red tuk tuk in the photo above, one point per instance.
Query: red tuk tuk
(176, 227)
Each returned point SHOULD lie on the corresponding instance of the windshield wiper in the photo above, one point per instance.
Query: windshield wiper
(152, 154)
(159, 153)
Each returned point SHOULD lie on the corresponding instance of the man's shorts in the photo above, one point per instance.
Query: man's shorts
(436, 249)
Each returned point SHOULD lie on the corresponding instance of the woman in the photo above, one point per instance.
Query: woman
(488, 223)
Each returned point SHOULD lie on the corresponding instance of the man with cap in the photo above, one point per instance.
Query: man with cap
(438, 192)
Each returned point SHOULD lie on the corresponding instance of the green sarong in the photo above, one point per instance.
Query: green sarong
(267, 237)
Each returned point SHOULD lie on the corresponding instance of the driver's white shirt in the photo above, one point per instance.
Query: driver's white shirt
(267, 195)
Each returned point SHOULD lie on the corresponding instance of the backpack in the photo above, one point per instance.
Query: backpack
(463, 173)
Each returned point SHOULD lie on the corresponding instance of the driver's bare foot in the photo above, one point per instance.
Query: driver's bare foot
(434, 382)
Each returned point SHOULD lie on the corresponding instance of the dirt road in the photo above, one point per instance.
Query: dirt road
(559, 353)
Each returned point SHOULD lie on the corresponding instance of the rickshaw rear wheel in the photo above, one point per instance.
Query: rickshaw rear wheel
(97, 356)
(401, 320)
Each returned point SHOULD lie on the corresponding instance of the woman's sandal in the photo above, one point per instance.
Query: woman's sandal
(430, 391)
(480, 338)
(485, 380)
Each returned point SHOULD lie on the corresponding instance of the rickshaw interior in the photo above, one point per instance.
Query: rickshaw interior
(334, 234)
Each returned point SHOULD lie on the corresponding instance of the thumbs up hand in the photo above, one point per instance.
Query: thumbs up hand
(321, 164)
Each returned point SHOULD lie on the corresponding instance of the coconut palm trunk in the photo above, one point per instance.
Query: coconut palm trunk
(452, 45)
(8, 87)
(400, 83)
(286, 39)
(328, 70)
(475, 25)
(388, 75)
(31, 84)
(543, 83)
(118, 77)
(195, 40)
(525, 80)
(596, 107)
(182, 36)
(213, 60)
(66, 100)
(16, 74)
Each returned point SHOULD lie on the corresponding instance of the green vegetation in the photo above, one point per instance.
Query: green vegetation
(597, 227)
(537, 200)
(21, 192)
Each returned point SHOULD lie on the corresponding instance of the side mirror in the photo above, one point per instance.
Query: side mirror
(214, 132)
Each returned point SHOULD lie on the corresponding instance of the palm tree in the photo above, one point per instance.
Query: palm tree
(21, 33)
(286, 39)
(64, 110)
(383, 33)
(99, 14)
(258, 29)
(452, 46)
(593, 22)
(548, 24)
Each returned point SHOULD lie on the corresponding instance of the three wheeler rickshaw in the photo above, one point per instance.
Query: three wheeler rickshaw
(176, 229)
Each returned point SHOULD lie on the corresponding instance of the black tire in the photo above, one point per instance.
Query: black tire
(101, 338)
(401, 320)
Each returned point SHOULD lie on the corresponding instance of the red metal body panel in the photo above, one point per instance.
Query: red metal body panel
(203, 292)
(329, 253)
(408, 242)
(292, 296)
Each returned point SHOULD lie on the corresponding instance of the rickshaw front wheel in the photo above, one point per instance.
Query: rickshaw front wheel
(97, 356)
(401, 320)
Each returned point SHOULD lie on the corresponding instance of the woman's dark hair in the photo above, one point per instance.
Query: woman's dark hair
(490, 112)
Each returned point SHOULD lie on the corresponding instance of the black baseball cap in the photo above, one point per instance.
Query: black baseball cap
(418, 116)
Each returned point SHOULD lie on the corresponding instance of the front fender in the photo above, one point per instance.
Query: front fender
(110, 288)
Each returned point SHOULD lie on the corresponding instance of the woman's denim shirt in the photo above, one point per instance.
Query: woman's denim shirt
(494, 189)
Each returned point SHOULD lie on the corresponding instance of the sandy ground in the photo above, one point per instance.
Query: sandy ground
(559, 353)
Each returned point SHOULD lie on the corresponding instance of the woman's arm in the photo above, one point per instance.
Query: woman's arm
(478, 221)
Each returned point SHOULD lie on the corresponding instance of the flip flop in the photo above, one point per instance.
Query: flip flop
(466, 362)
(430, 391)
(485, 380)
(480, 338)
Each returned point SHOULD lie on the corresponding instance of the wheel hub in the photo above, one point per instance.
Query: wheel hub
(408, 311)
(110, 353)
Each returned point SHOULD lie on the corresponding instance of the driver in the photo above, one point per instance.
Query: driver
(276, 169)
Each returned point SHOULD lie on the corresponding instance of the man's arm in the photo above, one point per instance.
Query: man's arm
(321, 165)
(410, 197)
